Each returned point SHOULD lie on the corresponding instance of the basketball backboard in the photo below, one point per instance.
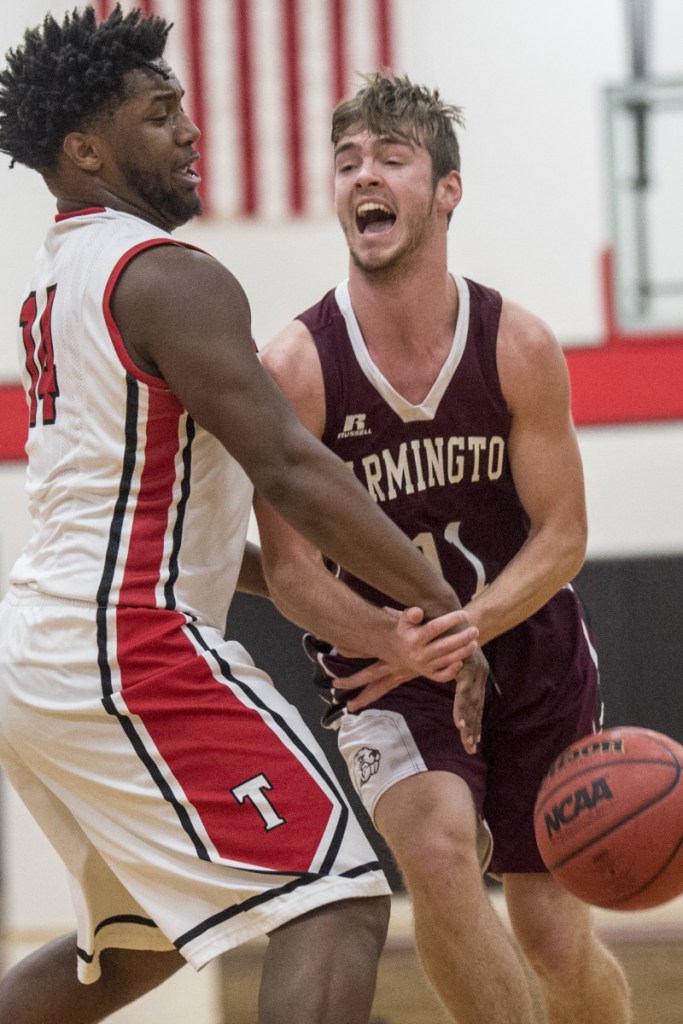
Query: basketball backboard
(645, 188)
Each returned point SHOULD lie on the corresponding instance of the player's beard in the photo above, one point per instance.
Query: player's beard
(172, 206)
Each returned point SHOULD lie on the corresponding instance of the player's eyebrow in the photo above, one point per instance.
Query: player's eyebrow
(382, 140)
(165, 92)
(395, 140)
(345, 147)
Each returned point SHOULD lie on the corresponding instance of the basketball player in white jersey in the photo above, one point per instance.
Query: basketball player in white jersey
(192, 808)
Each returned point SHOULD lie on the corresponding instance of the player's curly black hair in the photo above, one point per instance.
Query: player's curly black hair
(65, 74)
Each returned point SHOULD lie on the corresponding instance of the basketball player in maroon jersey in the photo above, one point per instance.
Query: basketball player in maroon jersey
(451, 406)
(192, 808)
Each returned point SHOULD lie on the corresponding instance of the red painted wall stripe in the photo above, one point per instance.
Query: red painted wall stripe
(292, 85)
(625, 382)
(632, 376)
(103, 8)
(196, 91)
(384, 33)
(338, 55)
(244, 84)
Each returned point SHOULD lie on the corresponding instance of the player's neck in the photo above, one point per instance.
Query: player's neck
(410, 313)
(409, 331)
(114, 202)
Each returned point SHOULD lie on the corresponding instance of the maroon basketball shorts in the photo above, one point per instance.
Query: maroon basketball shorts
(526, 725)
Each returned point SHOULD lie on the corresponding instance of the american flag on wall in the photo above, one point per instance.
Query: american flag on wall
(261, 79)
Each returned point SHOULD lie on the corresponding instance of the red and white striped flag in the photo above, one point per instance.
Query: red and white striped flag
(262, 78)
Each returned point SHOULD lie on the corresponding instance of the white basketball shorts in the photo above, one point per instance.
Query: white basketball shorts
(190, 803)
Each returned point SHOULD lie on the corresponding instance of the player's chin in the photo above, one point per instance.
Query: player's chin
(188, 198)
(194, 204)
(180, 208)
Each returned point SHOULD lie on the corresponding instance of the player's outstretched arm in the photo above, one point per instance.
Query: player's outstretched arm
(251, 579)
(308, 594)
(183, 316)
(547, 471)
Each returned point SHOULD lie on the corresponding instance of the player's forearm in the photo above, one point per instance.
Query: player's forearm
(251, 579)
(311, 597)
(544, 564)
(324, 502)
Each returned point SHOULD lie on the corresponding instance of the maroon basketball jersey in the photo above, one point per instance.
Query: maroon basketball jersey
(440, 469)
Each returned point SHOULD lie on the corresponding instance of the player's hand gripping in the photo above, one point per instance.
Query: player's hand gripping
(442, 649)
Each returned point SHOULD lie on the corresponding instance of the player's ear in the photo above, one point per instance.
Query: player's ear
(449, 191)
(82, 149)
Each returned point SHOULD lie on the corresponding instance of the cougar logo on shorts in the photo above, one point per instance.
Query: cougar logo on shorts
(366, 764)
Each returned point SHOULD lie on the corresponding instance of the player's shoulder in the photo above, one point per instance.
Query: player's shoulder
(531, 364)
(176, 273)
(171, 252)
(527, 344)
(292, 360)
(288, 347)
(520, 328)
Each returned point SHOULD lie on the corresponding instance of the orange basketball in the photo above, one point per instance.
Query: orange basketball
(609, 819)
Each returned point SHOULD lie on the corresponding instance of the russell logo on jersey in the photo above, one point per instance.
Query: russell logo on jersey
(354, 426)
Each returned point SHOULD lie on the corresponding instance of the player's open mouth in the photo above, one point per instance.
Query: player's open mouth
(188, 174)
(374, 218)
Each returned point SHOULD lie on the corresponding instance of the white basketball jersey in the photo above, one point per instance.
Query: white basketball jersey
(132, 502)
